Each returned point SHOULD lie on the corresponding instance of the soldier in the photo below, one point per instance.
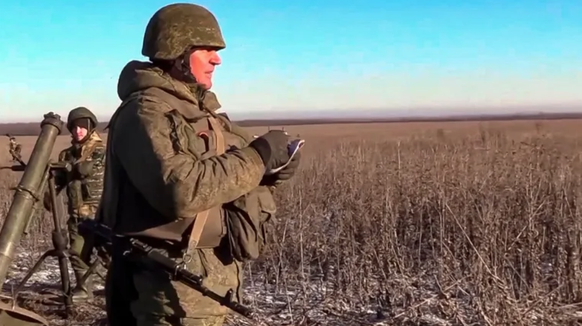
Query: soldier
(15, 147)
(84, 185)
(182, 177)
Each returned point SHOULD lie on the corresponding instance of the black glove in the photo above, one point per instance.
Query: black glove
(287, 173)
(272, 148)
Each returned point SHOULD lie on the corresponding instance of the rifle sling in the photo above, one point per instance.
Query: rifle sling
(201, 217)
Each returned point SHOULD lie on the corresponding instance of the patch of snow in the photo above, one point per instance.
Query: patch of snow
(47, 273)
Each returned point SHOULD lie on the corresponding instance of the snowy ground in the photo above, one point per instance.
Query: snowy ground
(41, 293)
(415, 302)
(302, 305)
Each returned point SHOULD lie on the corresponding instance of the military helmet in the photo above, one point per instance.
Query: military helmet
(175, 28)
(80, 113)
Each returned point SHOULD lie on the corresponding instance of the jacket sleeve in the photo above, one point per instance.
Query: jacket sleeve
(177, 184)
(260, 203)
(95, 165)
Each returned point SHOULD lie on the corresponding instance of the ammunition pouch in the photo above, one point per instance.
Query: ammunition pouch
(75, 194)
(239, 224)
(247, 219)
(80, 201)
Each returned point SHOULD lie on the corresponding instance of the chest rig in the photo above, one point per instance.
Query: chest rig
(83, 194)
(205, 235)
(200, 132)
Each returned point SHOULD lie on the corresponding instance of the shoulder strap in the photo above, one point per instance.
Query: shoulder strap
(201, 217)
(220, 145)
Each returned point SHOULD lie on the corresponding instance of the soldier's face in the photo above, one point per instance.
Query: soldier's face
(202, 63)
(79, 132)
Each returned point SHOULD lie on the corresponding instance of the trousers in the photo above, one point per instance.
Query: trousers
(138, 294)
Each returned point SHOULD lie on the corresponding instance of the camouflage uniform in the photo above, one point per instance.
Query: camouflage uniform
(172, 160)
(15, 147)
(84, 185)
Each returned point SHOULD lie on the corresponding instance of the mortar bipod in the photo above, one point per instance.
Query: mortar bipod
(27, 193)
(60, 250)
(58, 238)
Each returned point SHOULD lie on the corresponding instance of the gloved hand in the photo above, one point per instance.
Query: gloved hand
(284, 175)
(272, 148)
(83, 169)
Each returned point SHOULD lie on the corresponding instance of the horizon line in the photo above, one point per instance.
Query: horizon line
(393, 112)
(453, 116)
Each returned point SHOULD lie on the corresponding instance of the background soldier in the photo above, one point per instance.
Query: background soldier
(172, 158)
(15, 147)
(84, 185)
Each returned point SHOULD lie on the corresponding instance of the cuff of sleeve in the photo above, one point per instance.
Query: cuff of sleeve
(254, 155)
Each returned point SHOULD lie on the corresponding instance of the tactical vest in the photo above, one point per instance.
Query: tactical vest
(206, 229)
(84, 195)
(202, 134)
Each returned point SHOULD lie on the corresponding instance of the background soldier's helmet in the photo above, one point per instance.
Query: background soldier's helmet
(176, 28)
(81, 113)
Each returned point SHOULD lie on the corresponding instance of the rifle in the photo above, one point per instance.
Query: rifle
(177, 271)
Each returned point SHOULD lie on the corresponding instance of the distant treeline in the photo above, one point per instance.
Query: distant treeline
(33, 128)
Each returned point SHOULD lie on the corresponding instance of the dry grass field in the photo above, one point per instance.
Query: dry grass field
(465, 223)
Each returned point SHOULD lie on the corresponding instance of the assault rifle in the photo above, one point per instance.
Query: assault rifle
(175, 270)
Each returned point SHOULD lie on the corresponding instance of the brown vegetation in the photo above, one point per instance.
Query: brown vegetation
(466, 223)
(32, 128)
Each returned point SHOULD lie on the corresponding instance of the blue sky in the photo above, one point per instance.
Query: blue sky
(295, 56)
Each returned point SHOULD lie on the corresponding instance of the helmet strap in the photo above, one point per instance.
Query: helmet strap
(182, 64)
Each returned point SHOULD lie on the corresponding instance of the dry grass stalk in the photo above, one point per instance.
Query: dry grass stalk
(434, 224)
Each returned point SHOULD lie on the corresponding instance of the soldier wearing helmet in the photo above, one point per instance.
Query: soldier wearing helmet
(182, 177)
(15, 148)
(84, 185)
